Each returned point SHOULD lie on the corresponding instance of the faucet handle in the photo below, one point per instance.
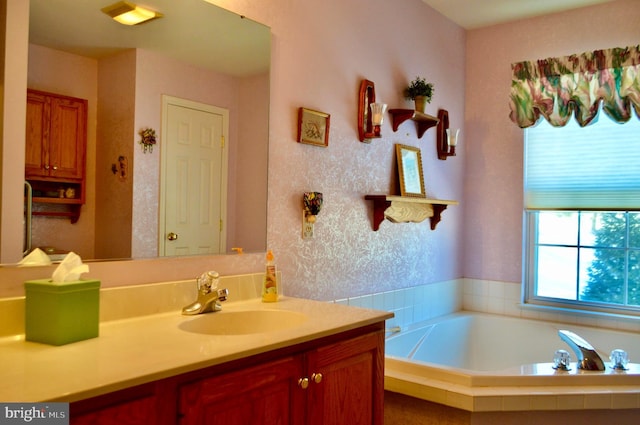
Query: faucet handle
(208, 281)
(223, 294)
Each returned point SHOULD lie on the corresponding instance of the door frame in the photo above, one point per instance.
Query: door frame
(185, 103)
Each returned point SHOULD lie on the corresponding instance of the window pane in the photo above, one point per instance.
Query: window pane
(556, 272)
(558, 227)
(634, 278)
(634, 230)
(605, 276)
(603, 229)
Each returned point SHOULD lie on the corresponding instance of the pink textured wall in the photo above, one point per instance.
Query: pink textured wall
(493, 180)
(71, 75)
(187, 82)
(114, 194)
(321, 52)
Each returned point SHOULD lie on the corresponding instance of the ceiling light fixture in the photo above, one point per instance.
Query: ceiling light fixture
(128, 13)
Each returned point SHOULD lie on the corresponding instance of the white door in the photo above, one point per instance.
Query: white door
(193, 189)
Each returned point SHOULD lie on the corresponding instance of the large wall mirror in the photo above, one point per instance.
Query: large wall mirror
(197, 53)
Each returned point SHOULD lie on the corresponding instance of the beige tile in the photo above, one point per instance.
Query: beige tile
(597, 401)
(570, 402)
(544, 402)
(625, 401)
(516, 403)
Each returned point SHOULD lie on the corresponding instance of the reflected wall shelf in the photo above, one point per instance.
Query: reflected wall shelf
(423, 121)
(405, 209)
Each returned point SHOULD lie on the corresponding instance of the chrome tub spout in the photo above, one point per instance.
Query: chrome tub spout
(588, 358)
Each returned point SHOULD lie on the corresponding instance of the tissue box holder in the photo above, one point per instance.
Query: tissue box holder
(59, 314)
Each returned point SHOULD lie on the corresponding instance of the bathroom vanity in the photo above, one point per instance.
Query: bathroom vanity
(307, 362)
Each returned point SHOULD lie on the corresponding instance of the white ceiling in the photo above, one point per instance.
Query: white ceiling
(192, 31)
(471, 14)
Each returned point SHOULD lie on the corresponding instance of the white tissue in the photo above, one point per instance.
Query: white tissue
(69, 269)
(37, 257)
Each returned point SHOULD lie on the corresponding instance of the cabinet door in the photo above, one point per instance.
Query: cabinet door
(67, 138)
(347, 382)
(267, 394)
(37, 135)
(133, 412)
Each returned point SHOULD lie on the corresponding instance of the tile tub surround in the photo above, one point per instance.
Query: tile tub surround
(415, 304)
(505, 298)
(161, 349)
(412, 305)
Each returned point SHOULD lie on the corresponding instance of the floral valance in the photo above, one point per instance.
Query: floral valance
(558, 88)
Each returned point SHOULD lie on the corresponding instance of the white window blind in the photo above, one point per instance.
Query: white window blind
(595, 167)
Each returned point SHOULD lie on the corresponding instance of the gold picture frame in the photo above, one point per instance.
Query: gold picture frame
(313, 127)
(410, 172)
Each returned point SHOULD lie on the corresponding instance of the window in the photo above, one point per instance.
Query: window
(582, 215)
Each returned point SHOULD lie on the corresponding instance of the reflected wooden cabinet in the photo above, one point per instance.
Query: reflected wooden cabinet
(56, 136)
(335, 381)
(55, 151)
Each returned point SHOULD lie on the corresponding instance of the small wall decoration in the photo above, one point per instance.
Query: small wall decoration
(148, 139)
(313, 127)
(410, 171)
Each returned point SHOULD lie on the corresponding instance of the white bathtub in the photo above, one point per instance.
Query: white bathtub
(481, 362)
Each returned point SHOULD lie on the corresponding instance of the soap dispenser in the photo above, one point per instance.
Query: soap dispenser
(270, 282)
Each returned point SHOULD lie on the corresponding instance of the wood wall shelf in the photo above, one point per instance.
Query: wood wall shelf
(73, 214)
(405, 209)
(423, 121)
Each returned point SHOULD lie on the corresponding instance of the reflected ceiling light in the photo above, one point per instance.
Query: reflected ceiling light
(128, 13)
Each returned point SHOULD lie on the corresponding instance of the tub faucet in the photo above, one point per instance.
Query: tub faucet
(588, 358)
(208, 295)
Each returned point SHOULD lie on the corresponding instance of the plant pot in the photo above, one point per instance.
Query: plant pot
(421, 103)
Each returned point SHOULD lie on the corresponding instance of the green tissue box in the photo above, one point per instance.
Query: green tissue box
(58, 314)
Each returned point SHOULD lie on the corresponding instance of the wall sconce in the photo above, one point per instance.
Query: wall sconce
(377, 114)
(312, 204)
(446, 139)
(128, 13)
(366, 127)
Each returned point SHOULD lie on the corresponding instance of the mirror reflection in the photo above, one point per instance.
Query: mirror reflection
(197, 61)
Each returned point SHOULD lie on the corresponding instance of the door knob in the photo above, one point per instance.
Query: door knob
(316, 377)
(303, 383)
(172, 236)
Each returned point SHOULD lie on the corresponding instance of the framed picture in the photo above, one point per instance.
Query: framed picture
(313, 127)
(410, 171)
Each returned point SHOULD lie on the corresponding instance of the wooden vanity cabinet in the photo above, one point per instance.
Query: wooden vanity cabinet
(336, 380)
(263, 394)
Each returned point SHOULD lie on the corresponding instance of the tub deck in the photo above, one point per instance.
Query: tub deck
(527, 387)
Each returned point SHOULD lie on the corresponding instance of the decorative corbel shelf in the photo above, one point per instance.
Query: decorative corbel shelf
(423, 121)
(405, 209)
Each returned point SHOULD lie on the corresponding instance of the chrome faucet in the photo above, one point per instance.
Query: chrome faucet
(588, 358)
(208, 295)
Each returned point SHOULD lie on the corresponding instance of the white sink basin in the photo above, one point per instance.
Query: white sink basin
(243, 322)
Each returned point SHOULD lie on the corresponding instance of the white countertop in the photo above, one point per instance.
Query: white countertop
(140, 350)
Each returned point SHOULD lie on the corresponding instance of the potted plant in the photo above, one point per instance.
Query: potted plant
(420, 92)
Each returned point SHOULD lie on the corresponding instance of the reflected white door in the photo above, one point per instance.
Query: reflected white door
(194, 184)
